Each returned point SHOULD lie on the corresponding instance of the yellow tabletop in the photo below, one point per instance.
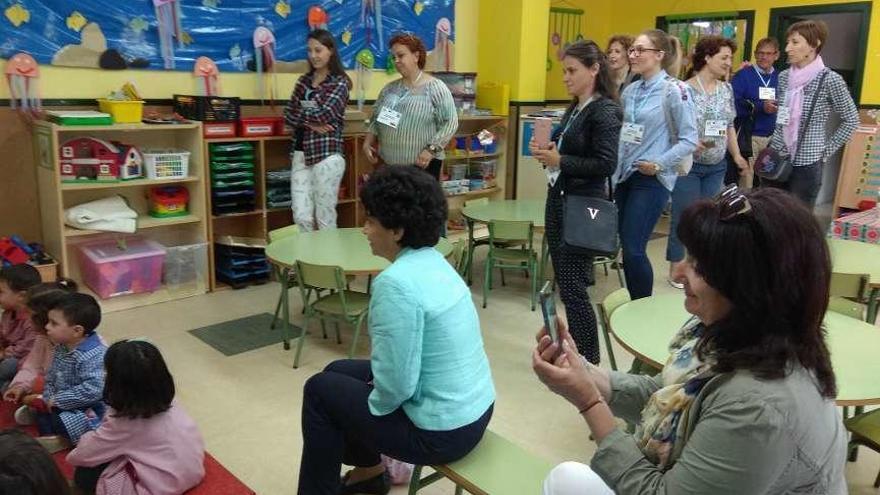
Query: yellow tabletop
(646, 326)
(346, 248)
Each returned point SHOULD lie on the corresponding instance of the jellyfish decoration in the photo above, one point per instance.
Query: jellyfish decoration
(318, 18)
(22, 72)
(556, 39)
(264, 57)
(442, 46)
(365, 61)
(206, 69)
(373, 7)
(168, 18)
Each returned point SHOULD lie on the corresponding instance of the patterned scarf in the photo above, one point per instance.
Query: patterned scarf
(798, 79)
(683, 377)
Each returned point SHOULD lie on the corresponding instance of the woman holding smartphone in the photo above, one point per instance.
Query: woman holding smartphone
(713, 99)
(579, 162)
(659, 131)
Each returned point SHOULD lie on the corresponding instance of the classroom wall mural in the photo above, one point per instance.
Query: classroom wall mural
(237, 35)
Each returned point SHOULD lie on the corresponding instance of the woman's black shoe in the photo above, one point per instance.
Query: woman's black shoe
(377, 485)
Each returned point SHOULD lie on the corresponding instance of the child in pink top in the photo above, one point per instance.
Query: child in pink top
(16, 330)
(147, 443)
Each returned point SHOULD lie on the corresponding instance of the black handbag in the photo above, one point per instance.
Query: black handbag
(773, 165)
(589, 224)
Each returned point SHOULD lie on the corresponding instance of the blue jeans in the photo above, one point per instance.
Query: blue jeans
(703, 181)
(640, 200)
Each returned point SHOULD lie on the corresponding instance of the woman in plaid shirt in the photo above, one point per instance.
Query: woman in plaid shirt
(316, 112)
(797, 87)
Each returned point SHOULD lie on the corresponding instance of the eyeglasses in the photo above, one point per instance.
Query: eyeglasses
(639, 50)
(732, 203)
(765, 54)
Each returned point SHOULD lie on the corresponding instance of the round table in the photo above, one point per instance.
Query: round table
(345, 248)
(646, 326)
(859, 257)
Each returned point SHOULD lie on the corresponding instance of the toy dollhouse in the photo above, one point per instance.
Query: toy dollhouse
(98, 160)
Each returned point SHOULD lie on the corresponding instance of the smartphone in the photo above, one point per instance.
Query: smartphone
(543, 127)
(548, 309)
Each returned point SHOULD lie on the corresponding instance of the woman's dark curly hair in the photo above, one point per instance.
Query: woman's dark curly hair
(408, 198)
(709, 46)
(772, 263)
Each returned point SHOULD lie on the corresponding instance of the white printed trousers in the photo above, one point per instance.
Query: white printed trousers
(314, 191)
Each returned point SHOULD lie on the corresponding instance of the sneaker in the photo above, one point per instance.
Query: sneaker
(675, 284)
(54, 443)
(24, 416)
(377, 485)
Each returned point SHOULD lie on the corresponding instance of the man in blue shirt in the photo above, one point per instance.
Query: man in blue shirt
(754, 89)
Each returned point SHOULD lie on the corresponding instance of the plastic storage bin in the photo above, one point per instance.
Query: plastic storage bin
(112, 268)
(459, 83)
(185, 267)
(166, 164)
(122, 111)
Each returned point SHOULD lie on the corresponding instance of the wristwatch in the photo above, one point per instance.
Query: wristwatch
(434, 149)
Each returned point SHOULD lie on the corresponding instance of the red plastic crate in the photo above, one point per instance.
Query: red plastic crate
(219, 129)
(257, 126)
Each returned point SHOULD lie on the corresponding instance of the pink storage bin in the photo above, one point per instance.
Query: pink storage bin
(112, 268)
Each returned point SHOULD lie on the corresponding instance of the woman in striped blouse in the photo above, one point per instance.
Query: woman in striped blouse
(414, 116)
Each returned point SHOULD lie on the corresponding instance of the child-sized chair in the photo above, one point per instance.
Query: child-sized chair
(865, 429)
(847, 293)
(504, 233)
(340, 305)
(289, 281)
(606, 308)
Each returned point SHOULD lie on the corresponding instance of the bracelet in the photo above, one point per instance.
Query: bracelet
(589, 406)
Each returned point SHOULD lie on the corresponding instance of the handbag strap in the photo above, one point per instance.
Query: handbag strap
(804, 123)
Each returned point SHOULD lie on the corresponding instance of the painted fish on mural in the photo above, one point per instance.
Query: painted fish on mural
(17, 14)
(211, 3)
(282, 8)
(76, 21)
(138, 25)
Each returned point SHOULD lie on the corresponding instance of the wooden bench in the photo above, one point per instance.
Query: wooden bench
(496, 466)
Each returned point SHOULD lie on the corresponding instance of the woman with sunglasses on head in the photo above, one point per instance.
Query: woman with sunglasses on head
(713, 100)
(659, 131)
(579, 163)
(745, 402)
(806, 143)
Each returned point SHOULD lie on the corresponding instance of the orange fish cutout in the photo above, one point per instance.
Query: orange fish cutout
(318, 18)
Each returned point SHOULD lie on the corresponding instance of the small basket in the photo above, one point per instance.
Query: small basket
(166, 164)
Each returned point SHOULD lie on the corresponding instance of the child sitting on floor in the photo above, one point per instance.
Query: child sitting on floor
(71, 401)
(16, 330)
(26, 467)
(151, 444)
(29, 379)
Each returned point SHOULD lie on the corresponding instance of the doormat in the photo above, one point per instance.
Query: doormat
(244, 334)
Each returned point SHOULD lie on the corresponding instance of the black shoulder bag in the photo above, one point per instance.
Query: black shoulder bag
(589, 224)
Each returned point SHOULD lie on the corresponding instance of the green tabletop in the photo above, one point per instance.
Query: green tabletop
(646, 326)
(347, 248)
(508, 209)
(856, 257)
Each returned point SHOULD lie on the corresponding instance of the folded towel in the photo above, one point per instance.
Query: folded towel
(111, 214)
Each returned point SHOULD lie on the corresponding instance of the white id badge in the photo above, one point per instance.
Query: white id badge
(766, 93)
(783, 115)
(716, 128)
(389, 117)
(308, 103)
(632, 133)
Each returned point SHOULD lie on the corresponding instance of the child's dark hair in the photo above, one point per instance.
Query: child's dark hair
(79, 309)
(26, 468)
(138, 383)
(20, 277)
(43, 297)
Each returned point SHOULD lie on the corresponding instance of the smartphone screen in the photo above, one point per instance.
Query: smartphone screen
(548, 309)
(543, 127)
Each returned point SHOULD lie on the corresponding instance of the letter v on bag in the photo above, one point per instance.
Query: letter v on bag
(592, 212)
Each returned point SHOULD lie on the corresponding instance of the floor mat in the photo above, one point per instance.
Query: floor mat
(244, 334)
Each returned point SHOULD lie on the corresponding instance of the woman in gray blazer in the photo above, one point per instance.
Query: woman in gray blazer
(745, 402)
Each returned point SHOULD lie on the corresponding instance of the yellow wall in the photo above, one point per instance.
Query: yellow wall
(67, 82)
(595, 26)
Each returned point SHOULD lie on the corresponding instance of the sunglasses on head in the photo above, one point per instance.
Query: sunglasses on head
(732, 203)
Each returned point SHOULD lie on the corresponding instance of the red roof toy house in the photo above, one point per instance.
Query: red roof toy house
(89, 159)
(131, 164)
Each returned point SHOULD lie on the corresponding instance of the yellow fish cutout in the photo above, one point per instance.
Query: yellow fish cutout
(282, 8)
(185, 38)
(17, 14)
(76, 21)
(418, 8)
(346, 37)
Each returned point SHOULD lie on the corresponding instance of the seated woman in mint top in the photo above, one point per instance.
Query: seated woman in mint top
(426, 394)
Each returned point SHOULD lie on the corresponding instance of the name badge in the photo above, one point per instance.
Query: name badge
(716, 128)
(308, 104)
(632, 133)
(783, 115)
(766, 93)
(389, 117)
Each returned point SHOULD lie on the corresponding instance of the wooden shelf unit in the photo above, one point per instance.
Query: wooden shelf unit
(56, 196)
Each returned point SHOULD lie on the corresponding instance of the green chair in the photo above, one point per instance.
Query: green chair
(606, 308)
(604, 261)
(496, 466)
(504, 233)
(865, 430)
(847, 293)
(477, 241)
(290, 282)
(456, 258)
(341, 305)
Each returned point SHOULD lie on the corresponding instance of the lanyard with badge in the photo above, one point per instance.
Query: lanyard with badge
(713, 127)
(388, 115)
(553, 173)
(631, 132)
(765, 92)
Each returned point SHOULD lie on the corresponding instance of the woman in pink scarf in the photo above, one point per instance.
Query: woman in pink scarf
(798, 98)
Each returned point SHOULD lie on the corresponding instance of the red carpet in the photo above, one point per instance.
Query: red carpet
(218, 480)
